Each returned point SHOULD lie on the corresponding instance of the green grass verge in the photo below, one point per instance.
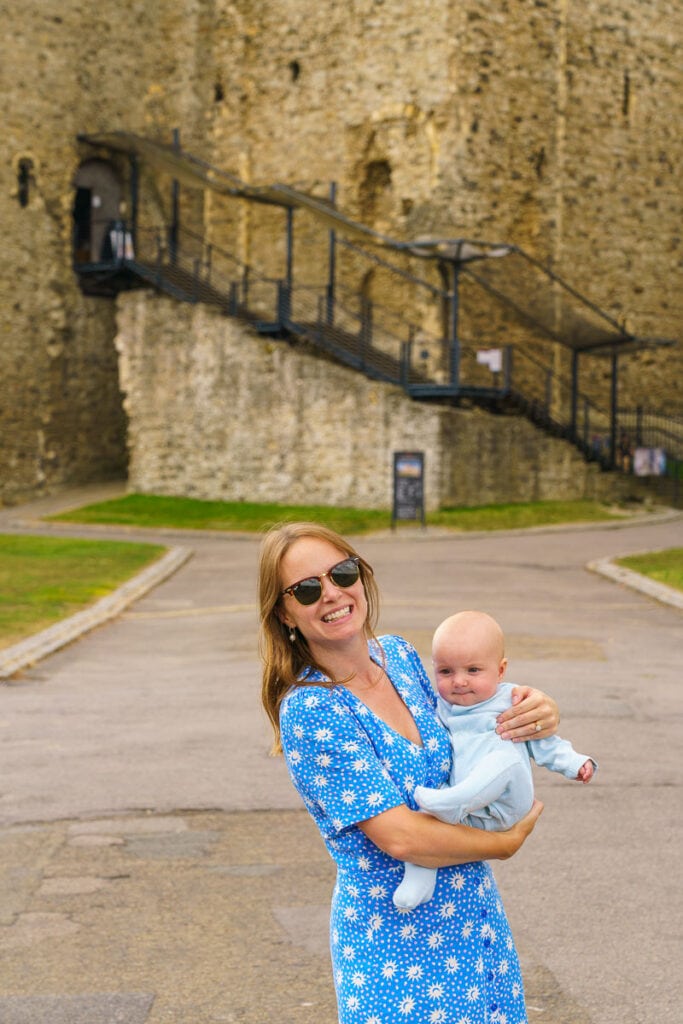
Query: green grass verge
(153, 510)
(191, 513)
(45, 579)
(524, 514)
(663, 566)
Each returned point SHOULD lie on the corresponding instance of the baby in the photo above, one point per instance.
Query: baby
(491, 781)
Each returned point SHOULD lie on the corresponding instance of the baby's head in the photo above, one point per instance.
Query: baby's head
(468, 653)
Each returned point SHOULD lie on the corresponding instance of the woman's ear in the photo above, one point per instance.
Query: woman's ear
(283, 618)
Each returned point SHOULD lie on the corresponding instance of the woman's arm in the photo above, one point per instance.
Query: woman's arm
(530, 708)
(417, 837)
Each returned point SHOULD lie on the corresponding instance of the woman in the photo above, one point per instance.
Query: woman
(356, 719)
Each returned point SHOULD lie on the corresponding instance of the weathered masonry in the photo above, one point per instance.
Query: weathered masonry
(551, 127)
(240, 417)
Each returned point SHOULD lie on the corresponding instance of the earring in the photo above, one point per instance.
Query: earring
(292, 635)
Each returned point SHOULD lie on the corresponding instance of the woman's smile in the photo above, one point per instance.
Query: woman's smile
(336, 615)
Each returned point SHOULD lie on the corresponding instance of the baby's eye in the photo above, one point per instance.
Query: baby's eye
(473, 670)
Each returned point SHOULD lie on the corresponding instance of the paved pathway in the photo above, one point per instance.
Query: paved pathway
(155, 864)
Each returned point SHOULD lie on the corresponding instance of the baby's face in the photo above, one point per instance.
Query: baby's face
(466, 670)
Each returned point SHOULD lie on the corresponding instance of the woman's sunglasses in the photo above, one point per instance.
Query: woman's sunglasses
(343, 574)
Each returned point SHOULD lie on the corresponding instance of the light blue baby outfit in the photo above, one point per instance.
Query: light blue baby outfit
(491, 781)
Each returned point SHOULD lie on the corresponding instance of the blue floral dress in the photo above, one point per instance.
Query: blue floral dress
(449, 961)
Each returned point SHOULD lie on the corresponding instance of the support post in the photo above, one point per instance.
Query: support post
(159, 260)
(290, 245)
(134, 199)
(332, 261)
(233, 302)
(507, 367)
(365, 330)
(575, 392)
(175, 207)
(613, 412)
(406, 353)
(286, 305)
(197, 266)
(454, 344)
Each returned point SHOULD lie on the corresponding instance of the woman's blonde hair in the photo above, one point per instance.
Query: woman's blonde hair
(285, 661)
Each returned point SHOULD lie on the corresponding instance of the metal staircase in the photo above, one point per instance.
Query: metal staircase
(458, 284)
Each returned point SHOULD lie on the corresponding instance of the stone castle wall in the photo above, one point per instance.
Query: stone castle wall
(66, 68)
(552, 125)
(236, 417)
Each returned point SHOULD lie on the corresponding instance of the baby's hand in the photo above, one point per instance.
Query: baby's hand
(586, 772)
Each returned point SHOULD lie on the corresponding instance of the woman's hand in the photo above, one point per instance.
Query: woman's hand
(524, 827)
(530, 709)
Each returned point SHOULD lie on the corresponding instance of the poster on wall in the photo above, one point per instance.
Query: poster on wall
(408, 487)
(649, 462)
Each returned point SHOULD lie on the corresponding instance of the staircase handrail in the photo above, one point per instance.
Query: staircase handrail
(463, 252)
(558, 310)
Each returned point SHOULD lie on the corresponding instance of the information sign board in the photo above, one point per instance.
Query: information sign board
(408, 487)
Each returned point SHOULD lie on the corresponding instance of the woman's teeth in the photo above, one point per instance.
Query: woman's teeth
(336, 615)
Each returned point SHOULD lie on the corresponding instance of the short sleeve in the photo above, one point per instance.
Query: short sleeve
(332, 761)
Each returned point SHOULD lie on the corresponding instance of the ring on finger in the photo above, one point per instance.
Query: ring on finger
(537, 727)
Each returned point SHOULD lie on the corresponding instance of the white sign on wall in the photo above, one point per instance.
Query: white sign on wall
(491, 357)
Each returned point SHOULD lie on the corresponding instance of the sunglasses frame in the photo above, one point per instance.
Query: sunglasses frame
(292, 590)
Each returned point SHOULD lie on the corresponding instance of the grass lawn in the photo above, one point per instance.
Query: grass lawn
(191, 513)
(663, 566)
(524, 514)
(45, 579)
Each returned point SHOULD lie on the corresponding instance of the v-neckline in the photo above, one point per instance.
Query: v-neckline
(378, 718)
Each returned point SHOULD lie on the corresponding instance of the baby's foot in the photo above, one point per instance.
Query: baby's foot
(417, 887)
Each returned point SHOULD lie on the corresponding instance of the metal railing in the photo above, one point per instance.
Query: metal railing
(350, 301)
(380, 342)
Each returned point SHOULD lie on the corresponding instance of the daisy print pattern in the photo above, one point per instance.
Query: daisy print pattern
(449, 961)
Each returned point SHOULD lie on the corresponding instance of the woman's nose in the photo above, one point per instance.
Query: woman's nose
(329, 587)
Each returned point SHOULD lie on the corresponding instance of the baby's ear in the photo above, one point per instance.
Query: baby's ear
(501, 668)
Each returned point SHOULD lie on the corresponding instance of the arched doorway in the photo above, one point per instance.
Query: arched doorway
(97, 204)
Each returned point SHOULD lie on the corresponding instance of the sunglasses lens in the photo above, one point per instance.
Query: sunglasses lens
(308, 591)
(346, 573)
(343, 574)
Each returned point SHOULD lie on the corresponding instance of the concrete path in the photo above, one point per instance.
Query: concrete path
(155, 863)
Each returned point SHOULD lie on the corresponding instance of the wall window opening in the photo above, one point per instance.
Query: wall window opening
(24, 174)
